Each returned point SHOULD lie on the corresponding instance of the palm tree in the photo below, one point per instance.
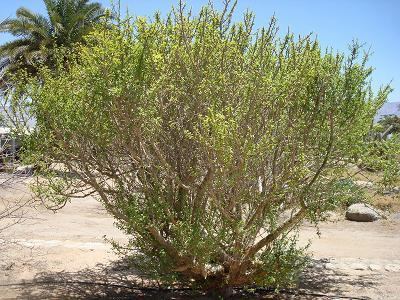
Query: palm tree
(66, 23)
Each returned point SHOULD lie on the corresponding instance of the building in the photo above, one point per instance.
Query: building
(9, 146)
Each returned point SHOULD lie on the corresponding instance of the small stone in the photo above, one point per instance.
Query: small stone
(25, 170)
(392, 268)
(364, 184)
(343, 267)
(373, 267)
(358, 266)
(316, 265)
(396, 216)
(330, 266)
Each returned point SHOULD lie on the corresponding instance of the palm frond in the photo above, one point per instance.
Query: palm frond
(15, 27)
(66, 23)
(13, 49)
(39, 24)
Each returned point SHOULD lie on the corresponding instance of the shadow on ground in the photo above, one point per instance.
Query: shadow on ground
(337, 283)
(119, 282)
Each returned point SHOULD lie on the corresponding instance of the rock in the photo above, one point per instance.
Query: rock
(358, 266)
(361, 212)
(317, 266)
(330, 266)
(396, 216)
(392, 268)
(364, 184)
(26, 170)
(373, 267)
(393, 191)
(343, 267)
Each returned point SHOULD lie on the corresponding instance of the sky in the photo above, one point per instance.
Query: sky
(335, 22)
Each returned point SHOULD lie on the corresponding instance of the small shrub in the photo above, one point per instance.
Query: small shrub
(346, 193)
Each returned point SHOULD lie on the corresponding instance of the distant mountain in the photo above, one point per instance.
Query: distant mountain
(389, 108)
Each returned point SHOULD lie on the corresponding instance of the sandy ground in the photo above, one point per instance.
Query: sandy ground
(64, 255)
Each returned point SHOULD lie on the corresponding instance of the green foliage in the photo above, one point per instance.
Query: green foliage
(345, 193)
(207, 140)
(66, 23)
(280, 266)
(383, 156)
(392, 121)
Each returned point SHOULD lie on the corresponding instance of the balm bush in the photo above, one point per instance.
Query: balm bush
(207, 140)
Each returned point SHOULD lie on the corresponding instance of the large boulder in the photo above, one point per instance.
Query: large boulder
(361, 212)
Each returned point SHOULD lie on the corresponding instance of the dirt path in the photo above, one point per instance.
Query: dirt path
(355, 259)
(60, 255)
